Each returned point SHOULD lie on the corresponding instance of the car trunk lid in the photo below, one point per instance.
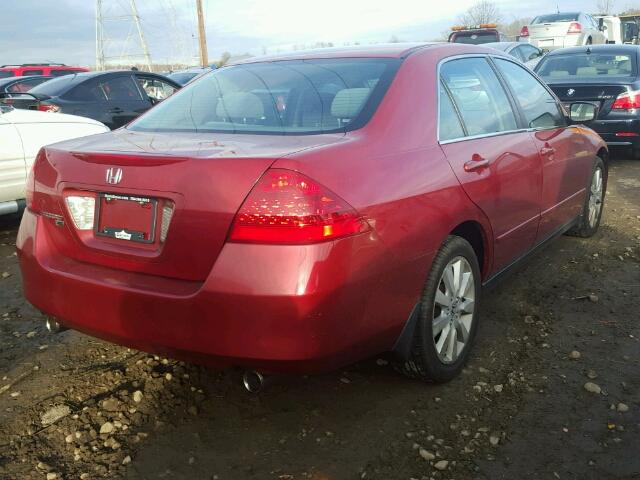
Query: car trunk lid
(134, 184)
(549, 30)
(601, 95)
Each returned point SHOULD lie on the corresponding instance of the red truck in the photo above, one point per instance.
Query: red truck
(47, 69)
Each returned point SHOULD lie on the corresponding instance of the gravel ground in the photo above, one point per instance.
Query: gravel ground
(552, 389)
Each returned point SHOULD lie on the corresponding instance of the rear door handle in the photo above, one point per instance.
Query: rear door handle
(477, 162)
(547, 151)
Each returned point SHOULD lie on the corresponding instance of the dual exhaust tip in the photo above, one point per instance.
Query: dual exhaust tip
(252, 380)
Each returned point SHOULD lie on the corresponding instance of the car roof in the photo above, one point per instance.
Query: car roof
(604, 48)
(504, 46)
(191, 70)
(386, 50)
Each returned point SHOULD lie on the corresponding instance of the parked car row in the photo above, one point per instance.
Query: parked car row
(22, 134)
(304, 211)
(113, 98)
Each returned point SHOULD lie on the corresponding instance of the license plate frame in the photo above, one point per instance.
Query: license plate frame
(121, 232)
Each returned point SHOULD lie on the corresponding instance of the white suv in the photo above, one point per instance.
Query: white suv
(559, 30)
(22, 134)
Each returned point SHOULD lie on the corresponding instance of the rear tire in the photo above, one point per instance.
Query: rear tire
(448, 317)
(589, 220)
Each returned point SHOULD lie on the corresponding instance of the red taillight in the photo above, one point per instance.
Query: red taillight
(524, 32)
(627, 101)
(286, 207)
(47, 107)
(575, 27)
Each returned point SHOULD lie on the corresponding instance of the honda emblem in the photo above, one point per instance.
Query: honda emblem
(114, 175)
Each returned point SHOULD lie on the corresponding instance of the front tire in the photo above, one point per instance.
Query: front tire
(448, 316)
(589, 220)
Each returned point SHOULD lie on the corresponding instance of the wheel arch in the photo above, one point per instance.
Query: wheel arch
(473, 232)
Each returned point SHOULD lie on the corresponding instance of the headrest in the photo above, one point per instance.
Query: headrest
(240, 105)
(348, 102)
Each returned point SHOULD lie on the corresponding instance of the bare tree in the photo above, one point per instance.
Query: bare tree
(513, 28)
(224, 59)
(605, 7)
(483, 11)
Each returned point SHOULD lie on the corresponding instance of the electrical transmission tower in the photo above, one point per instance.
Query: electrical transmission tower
(118, 14)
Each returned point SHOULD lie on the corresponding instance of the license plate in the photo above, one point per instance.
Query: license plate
(131, 218)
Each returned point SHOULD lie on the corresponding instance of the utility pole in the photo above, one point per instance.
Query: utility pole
(204, 56)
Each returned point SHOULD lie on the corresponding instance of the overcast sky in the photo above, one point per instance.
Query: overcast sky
(64, 30)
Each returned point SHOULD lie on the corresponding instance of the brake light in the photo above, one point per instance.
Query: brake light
(524, 32)
(575, 27)
(286, 207)
(627, 101)
(47, 107)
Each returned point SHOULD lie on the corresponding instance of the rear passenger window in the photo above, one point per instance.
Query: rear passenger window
(479, 96)
(448, 121)
(121, 89)
(538, 105)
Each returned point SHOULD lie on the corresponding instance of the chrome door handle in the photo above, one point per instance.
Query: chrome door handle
(477, 162)
(547, 151)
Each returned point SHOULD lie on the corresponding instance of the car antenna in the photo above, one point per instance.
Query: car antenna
(588, 50)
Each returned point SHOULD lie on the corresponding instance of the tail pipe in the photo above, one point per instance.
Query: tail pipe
(53, 325)
(253, 381)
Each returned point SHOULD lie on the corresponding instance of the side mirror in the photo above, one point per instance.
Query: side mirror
(581, 112)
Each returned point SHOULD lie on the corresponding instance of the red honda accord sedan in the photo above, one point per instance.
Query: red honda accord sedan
(301, 212)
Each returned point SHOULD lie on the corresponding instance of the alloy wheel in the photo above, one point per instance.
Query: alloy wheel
(453, 310)
(595, 197)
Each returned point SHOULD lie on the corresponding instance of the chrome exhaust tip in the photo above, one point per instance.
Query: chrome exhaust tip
(253, 381)
(53, 326)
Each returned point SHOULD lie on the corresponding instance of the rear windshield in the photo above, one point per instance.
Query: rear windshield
(591, 66)
(61, 73)
(294, 97)
(54, 87)
(474, 38)
(556, 17)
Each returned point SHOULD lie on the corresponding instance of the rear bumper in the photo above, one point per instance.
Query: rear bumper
(277, 308)
(552, 43)
(618, 133)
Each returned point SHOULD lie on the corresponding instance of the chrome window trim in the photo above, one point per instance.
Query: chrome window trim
(483, 135)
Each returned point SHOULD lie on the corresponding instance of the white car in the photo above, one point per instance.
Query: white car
(22, 134)
(560, 30)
